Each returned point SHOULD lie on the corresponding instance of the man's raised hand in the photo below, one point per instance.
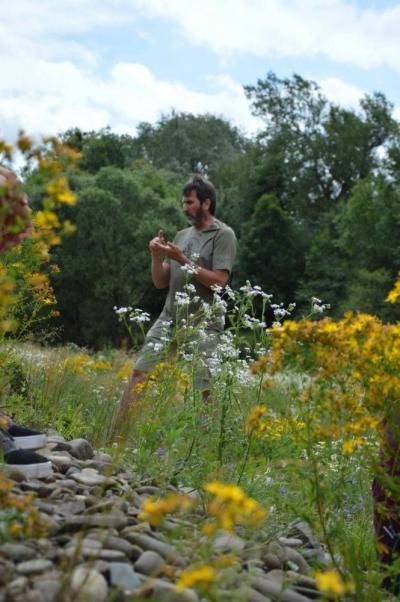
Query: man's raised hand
(157, 245)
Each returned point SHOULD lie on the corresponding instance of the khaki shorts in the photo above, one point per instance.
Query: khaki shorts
(152, 352)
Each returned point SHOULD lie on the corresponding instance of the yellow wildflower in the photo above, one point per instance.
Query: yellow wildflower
(231, 506)
(394, 294)
(201, 577)
(125, 371)
(101, 365)
(330, 582)
(154, 512)
(60, 191)
(253, 419)
(15, 529)
(78, 363)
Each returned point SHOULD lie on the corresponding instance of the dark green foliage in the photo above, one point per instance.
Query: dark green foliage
(106, 262)
(185, 143)
(313, 152)
(271, 253)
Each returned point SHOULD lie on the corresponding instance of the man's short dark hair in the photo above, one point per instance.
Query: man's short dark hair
(204, 190)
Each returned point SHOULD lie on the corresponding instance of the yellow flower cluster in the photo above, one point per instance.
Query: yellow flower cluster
(231, 506)
(331, 583)
(353, 364)
(125, 371)
(101, 365)
(263, 423)
(201, 577)
(53, 159)
(154, 511)
(82, 364)
(26, 518)
(394, 294)
(6, 301)
(78, 363)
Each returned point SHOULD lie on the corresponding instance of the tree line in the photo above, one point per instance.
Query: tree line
(314, 199)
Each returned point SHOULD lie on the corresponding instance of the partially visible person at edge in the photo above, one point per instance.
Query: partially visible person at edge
(17, 442)
(209, 246)
(385, 491)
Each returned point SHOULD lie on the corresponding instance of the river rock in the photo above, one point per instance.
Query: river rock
(150, 563)
(291, 542)
(92, 478)
(299, 561)
(304, 580)
(40, 488)
(149, 543)
(88, 585)
(148, 490)
(17, 587)
(113, 521)
(47, 588)
(112, 555)
(117, 543)
(301, 529)
(123, 576)
(17, 551)
(226, 542)
(68, 508)
(254, 596)
(33, 567)
(270, 588)
(272, 561)
(162, 591)
(81, 449)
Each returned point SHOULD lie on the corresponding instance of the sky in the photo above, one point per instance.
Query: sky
(116, 63)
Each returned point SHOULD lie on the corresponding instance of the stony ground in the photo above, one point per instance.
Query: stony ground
(97, 549)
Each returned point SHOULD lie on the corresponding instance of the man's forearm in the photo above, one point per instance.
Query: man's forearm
(209, 278)
(159, 272)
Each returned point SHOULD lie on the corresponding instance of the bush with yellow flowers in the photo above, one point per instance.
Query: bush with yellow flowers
(353, 365)
(26, 236)
(19, 517)
(228, 508)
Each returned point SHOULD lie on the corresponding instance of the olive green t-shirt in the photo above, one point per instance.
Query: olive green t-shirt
(216, 250)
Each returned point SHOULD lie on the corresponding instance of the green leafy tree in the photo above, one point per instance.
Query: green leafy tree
(312, 152)
(102, 148)
(106, 262)
(271, 250)
(368, 226)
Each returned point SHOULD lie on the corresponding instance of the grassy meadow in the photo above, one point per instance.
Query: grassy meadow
(294, 419)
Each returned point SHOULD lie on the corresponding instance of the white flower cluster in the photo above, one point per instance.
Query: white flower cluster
(189, 288)
(182, 298)
(254, 291)
(219, 305)
(139, 316)
(318, 306)
(253, 323)
(190, 268)
(157, 347)
(121, 311)
(280, 311)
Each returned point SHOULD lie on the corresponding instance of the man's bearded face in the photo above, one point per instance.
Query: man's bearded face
(193, 209)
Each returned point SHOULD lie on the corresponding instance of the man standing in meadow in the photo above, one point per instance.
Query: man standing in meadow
(205, 251)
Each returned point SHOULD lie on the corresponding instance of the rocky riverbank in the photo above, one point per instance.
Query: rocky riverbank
(92, 545)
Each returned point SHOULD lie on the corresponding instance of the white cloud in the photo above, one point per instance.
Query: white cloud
(50, 82)
(340, 92)
(45, 97)
(336, 29)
